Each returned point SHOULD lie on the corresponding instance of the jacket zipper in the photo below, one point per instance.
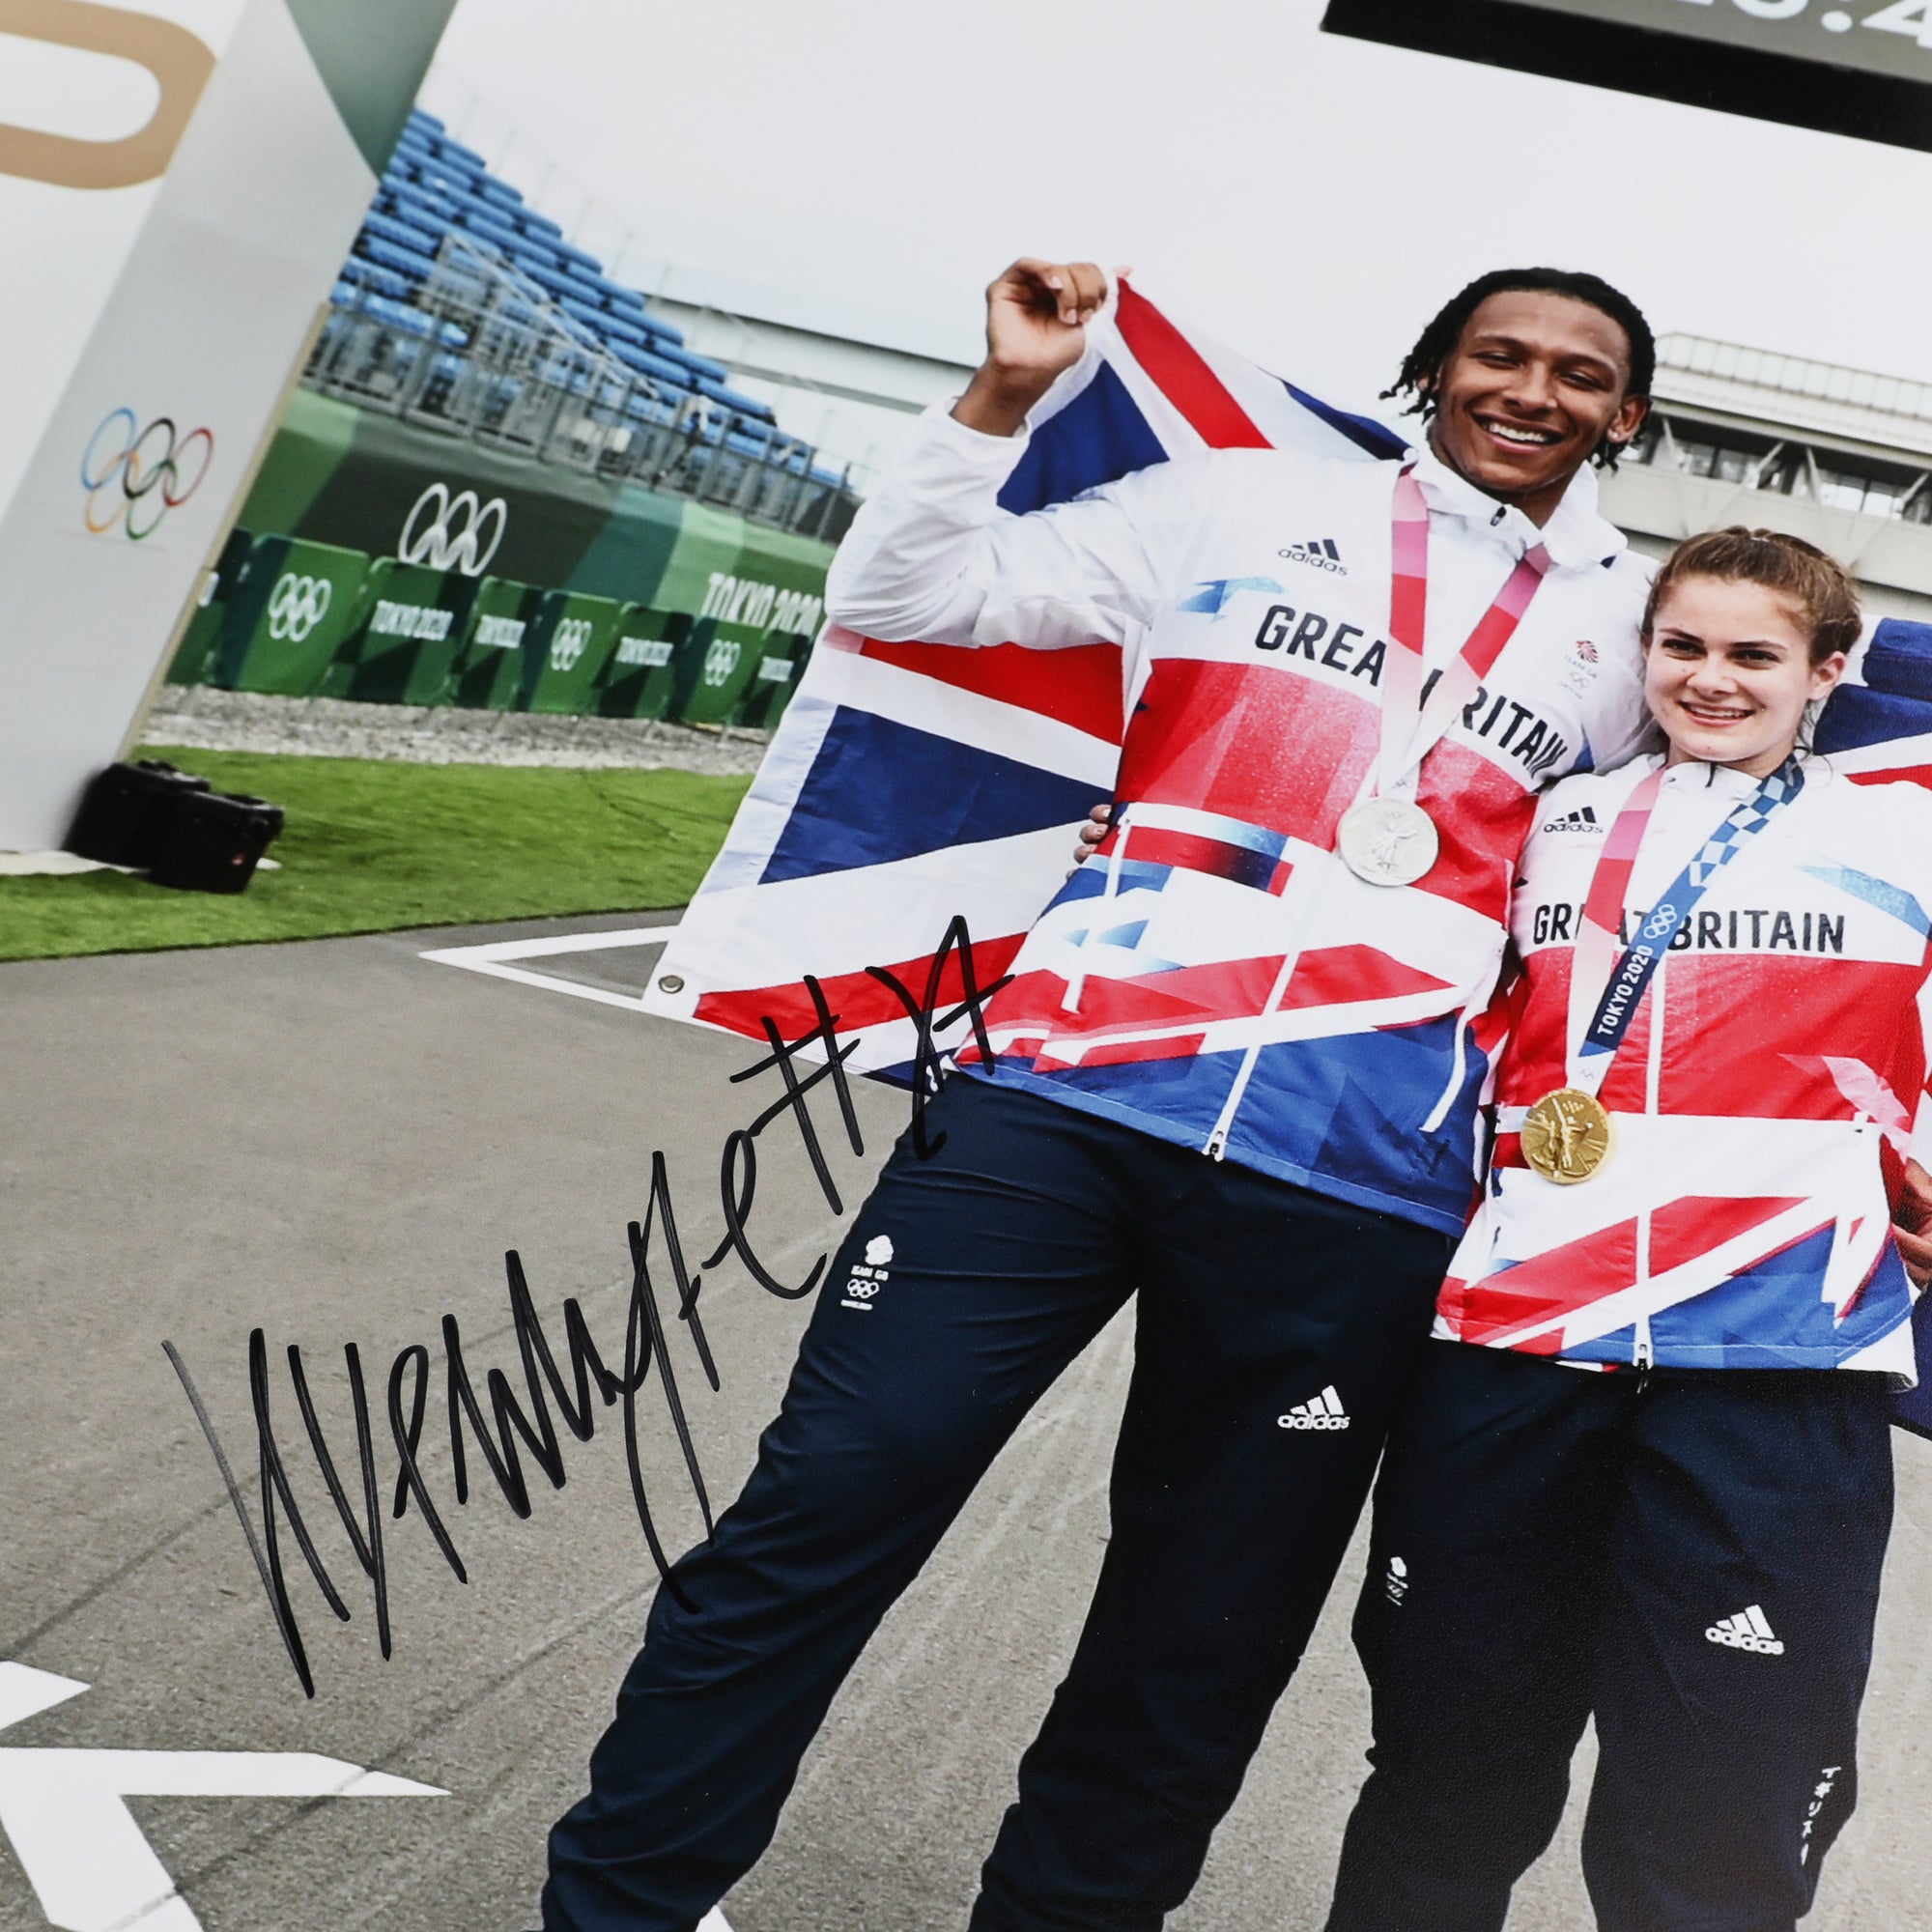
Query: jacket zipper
(1215, 1148)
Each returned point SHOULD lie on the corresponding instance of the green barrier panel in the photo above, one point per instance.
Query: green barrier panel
(293, 605)
(363, 479)
(716, 679)
(569, 645)
(410, 620)
(773, 683)
(642, 673)
(191, 660)
(770, 589)
(697, 576)
(496, 645)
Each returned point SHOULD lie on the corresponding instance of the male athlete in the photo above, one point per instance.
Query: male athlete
(1237, 1071)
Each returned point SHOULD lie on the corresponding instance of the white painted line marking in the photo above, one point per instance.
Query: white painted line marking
(494, 960)
(48, 864)
(77, 1843)
(567, 942)
(25, 1692)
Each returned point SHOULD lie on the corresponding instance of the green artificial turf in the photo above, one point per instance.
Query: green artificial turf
(372, 846)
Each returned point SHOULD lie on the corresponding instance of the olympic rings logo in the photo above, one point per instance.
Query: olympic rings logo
(297, 606)
(722, 660)
(1661, 919)
(459, 532)
(134, 476)
(567, 642)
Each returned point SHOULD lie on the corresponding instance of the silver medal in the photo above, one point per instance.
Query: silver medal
(1388, 841)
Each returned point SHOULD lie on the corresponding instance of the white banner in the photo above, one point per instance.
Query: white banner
(166, 271)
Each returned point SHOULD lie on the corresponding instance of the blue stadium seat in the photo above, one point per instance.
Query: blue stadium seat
(435, 186)
(359, 272)
(694, 366)
(416, 203)
(409, 262)
(549, 281)
(439, 221)
(499, 233)
(403, 234)
(439, 181)
(593, 319)
(414, 322)
(654, 366)
(731, 399)
(615, 330)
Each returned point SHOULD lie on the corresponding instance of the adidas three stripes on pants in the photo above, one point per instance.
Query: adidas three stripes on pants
(1274, 1329)
(1692, 1557)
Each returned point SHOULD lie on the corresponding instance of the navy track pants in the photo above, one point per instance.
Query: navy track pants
(1690, 1555)
(1233, 1500)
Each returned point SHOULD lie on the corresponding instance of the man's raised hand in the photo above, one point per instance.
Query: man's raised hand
(1036, 317)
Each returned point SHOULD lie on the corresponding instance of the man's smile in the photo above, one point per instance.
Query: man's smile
(1522, 436)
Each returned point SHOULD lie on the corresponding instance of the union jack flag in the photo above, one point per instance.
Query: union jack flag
(911, 784)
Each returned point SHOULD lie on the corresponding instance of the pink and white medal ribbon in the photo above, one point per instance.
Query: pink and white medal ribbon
(1385, 837)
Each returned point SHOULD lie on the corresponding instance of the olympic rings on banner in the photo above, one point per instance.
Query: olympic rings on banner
(133, 476)
(722, 660)
(297, 606)
(567, 644)
(453, 538)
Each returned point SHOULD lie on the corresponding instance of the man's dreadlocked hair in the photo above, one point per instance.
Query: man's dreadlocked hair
(1436, 342)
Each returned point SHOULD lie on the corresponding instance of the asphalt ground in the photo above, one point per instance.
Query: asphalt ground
(337, 1140)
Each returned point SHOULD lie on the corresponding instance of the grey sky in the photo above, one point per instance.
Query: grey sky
(866, 167)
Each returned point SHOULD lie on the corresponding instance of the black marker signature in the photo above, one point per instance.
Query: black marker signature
(510, 1418)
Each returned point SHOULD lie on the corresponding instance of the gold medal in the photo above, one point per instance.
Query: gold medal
(1568, 1135)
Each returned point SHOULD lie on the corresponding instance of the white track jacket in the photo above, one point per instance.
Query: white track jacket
(1217, 976)
(1774, 1075)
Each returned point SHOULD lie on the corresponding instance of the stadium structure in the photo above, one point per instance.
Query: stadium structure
(1838, 456)
(503, 482)
(507, 481)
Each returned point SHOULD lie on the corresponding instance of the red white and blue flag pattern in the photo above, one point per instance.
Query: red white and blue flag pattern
(912, 783)
(909, 783)
(1766, 1091)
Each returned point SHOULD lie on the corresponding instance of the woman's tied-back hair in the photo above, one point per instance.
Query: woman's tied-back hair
(1422, 366)
(1819, 585)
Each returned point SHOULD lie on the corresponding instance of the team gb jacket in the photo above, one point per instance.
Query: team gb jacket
(1774, 1069)
(1215, 975)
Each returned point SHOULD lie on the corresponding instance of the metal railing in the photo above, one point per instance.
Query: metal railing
(481, 352)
